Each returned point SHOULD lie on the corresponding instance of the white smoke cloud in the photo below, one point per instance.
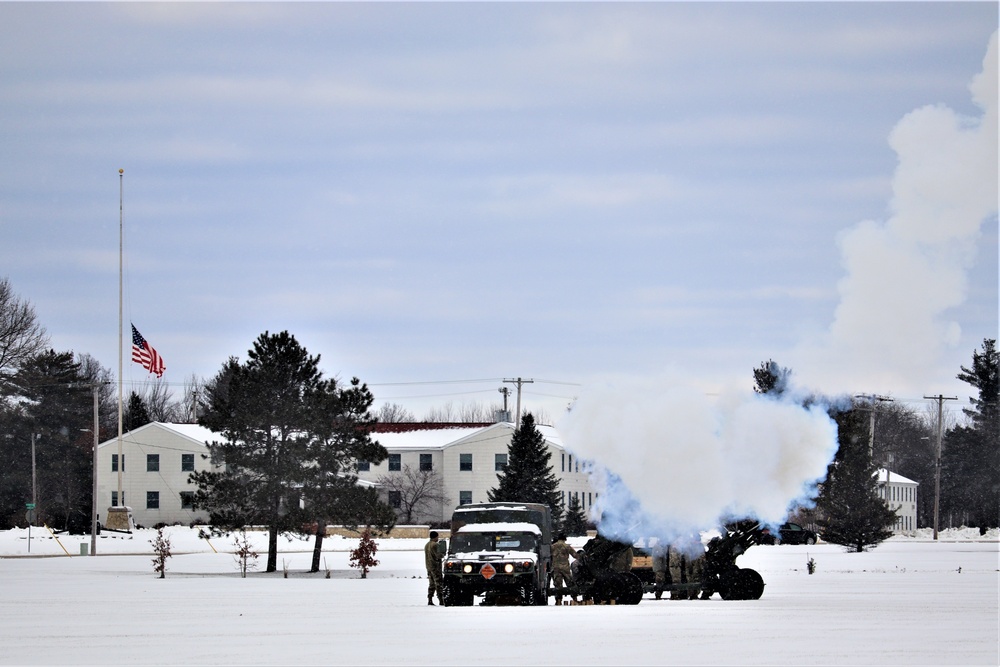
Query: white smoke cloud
(669, 460)
(903, 275)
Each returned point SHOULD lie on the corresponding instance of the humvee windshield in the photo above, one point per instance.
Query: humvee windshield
(470, 542)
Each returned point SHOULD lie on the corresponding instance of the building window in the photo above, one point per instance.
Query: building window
(187, 500)
(364, 466)
(465, 462)
(114, 498)
(152, 500)
(394, 463)
(499, 462)
(426, 463)
(152, 463)
(465, 497)
(187, 462)
(562, 457)
(114, 463)
(395, 499)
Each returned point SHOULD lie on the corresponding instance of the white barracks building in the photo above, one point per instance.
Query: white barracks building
(467, 458)
(159, 457)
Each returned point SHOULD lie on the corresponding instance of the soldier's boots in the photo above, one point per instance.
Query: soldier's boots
(558, 602)
(430, 600)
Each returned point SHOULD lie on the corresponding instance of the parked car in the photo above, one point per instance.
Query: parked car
(793, 533)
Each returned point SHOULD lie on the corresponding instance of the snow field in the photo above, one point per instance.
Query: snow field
(902, 603)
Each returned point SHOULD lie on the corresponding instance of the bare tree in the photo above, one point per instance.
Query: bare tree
(194, 391)
(159, 403)
(416, 491)
(394, 413)
(21, 336)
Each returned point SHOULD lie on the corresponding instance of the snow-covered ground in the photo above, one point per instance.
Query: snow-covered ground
(910, 601)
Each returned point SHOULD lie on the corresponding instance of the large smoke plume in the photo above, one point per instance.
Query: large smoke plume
(669, 461)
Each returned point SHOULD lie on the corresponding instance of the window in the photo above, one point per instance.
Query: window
(364, 466)
(465, 497)
(152, 500)
(187, 462)
(394, 462)
(114, 463)
(152, 463)
(187, 500)
(465, 462)
(499, 462)
(562, 457)
(426, 463)
(114, 498)
(395, 499)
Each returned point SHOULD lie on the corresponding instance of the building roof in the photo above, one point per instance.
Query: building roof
(431, 436)
(192, 432)
(894, 478)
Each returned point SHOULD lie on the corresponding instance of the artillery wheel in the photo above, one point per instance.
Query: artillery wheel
(631, 591)
(741, 584)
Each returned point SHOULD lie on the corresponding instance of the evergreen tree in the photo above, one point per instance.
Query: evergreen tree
(330, 487)
(575, 522)
(970, 457)
(770, 378)
(271, 410)
(854, 515)
(528, 477)
(135, 413)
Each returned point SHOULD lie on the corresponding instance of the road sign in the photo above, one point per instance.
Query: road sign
(30, 506)
(29, 516)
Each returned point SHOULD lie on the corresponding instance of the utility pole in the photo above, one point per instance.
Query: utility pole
(93, 490)
(518, 382)
(34, 477)
(940, 398)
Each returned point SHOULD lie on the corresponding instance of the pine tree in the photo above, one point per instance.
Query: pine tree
(854, 515)
(528, 477)
(575, 521)
(270, 412)
(970, 457)
(135, 414)
(770, 378)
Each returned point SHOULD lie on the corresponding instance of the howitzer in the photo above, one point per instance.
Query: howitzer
(602, 576)
(721, 574)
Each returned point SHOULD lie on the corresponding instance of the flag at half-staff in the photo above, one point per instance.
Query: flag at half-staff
(144, 354)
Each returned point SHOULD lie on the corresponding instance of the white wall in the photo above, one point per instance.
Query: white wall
(168, 482)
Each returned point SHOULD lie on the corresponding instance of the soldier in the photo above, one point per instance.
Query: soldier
(659, 568)
(432, 560)
(676, 563)
(561, 572)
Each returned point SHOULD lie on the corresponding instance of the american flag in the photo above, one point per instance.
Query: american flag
(144, 354)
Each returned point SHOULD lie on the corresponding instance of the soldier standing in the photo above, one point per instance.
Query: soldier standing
(677, 562)
(432, 559)
(660, 568)
(561, 572)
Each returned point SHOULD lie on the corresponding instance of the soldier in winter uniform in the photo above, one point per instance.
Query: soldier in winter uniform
(660, 568)
(432, 559)
(561, 572)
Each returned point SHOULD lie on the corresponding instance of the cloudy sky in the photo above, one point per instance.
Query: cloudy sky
(428, 193)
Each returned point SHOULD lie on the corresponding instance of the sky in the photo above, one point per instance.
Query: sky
(436, 197)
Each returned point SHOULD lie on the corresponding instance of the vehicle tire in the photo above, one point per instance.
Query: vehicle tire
(810, 540)
(741, 584)
(542, 597)
(631, 590)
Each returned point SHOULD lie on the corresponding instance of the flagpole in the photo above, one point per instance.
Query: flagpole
(121, 245)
